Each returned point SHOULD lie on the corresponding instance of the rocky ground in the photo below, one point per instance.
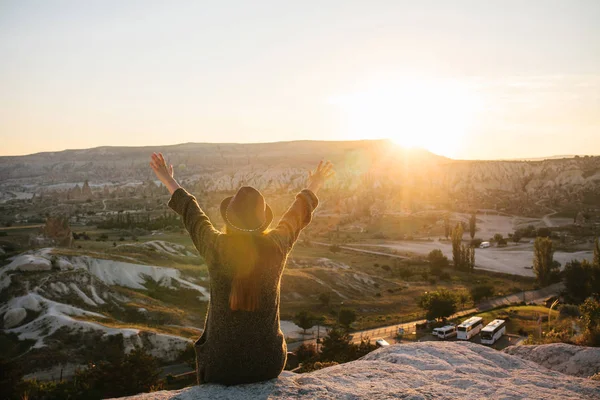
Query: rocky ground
(562, 357)
(413, 371)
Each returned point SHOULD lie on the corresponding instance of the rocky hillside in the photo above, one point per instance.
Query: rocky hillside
(440, 370)
(362, 166)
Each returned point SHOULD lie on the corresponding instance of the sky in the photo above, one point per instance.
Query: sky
(464, 79)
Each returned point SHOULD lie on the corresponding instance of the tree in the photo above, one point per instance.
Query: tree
(590, 314)
(457, 234)
(304, 320)
(439, 304)
(325, 299)
(446, 226)
(543, 232)
(471, 259)
(133, 373)
(306, 352)
(346, 317)
(543, 260)
(437, 260)
(336, 346)
(481, 292)
(517, 236)
(596, 259)
(498, 237)
(334, 248)
(577, 280)
(462, 297)
(472, 225)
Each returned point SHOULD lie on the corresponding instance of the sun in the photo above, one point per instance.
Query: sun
(435, 115)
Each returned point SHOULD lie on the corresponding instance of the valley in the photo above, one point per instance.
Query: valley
(92, 260)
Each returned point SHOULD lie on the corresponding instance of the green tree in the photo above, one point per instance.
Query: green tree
(481, 292)
(438, 304)
(457, 234)
(596, 259)
(446, 226)
(590, 314)
(437, 261)
(304, 320)
(498, 237)
(471, 254)
(517, 236)
(306, 352)
(325, 299)
(336, 346)
(543, 232)
(133, 373)
(577, 279)
(472, 225)
(346, 317)
(543, 260)
(462, 297)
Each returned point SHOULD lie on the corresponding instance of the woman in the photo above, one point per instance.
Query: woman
(242, 341)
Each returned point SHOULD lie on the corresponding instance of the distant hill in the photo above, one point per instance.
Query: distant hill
(376, 167)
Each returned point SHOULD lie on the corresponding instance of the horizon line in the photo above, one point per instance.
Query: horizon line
(531, 158)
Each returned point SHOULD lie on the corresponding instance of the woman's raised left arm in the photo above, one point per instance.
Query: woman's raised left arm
(196, 222)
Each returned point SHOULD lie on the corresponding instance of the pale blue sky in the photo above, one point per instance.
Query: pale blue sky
(78, 74)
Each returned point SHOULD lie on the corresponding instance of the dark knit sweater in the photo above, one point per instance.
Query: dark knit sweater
(242, 346)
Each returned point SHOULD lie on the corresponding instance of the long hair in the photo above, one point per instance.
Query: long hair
(246, 253)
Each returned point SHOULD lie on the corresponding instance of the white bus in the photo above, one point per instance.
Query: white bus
(446, 332)
(469, 328)
(493, 331)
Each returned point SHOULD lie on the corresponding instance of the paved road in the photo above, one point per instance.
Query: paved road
(175, 369)
(389, 332)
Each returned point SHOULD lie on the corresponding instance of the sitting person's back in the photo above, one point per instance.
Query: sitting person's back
(242, 341)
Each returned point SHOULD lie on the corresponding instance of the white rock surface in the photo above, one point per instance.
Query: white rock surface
(566, 358)
(440, 370)
(14, 317)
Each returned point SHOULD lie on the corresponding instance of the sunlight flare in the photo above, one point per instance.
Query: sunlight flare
(435, 115)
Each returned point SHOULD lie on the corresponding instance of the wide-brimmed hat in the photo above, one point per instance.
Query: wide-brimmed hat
(246, 211)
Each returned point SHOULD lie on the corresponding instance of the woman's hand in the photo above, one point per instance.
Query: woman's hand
(163, 173)
(317, 177)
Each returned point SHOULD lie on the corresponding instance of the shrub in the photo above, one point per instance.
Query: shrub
(334, 248)
(569, 310)
(481, 292)
(437, 259)
(440, 304)
(346, 317)
(306, 352)
(317, 365)
(476, 242)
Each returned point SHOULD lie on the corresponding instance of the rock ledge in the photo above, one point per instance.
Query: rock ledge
(442, 370)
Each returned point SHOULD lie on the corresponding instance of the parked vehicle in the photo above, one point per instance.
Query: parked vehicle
(493, 331)
(484, 245)
(446, 332)
(381, 343)
(469, 328)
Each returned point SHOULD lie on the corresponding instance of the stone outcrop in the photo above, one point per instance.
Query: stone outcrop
(440, 370)
(86, 191)
(566, 358)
